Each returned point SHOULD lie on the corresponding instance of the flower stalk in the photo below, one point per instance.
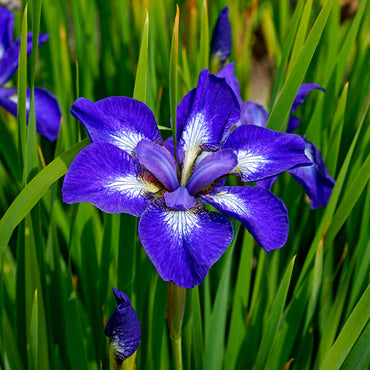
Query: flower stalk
(176, 298)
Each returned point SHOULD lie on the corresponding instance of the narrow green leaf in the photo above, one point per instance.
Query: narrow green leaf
(35, 331)
(301, 34)
(349, 334)
(34, 191)
(140, 89)
(22, 86)
(336, 132)
(215, 336)
(197, 332)
(173, 75)
(274, 319)
(203, 56)
(350, 198)
(280, 113)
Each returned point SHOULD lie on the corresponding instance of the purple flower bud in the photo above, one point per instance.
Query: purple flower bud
(123, 330)
(221, 37)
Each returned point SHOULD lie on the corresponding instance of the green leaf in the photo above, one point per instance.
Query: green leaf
(215, 336)
(350, 198)
(140, 89)
(34, 191)
(279, 116)
(349, 334)
(274, 319)
(203, 56)
(173, 75)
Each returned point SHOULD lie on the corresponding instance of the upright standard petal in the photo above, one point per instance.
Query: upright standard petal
(123, 330)
(261, 212)
(118, 120)
(302, 93)
(48, 114)
(109, 178)
(158, 160)
(315, 179)
(210, 168)
(183, 245)
(221, 38)
(9, 60)
(204, 118)
(228, 74)
(264, 153)
(253, 114)
(6, 29)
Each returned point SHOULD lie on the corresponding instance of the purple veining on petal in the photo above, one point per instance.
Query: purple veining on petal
(109, 178)
(264, 153)
(261, 212)
(179, 199)
(118, 120)
(183, 245)
(210, 168)
(158, 160)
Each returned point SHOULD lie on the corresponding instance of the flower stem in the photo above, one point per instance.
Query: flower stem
(176, 297)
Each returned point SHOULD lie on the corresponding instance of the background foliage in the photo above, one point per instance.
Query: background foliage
(304, 306)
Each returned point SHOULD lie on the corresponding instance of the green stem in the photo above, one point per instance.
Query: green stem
(177, 352)
(176, 297)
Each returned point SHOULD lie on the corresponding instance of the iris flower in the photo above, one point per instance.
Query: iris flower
(47, 109)
(315, 179)
(123, 330)
(128, 169)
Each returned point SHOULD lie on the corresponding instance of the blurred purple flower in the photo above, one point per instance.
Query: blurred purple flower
(48, 114)
(123, 330)
(315, 179)
(221, 38)
(127, 168)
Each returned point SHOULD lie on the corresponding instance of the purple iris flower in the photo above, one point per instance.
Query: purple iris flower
(123, 330)
(221, 37)
(315, 179)
(48, 114)
(128, 169)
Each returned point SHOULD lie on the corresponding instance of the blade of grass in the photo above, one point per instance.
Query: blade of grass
(349, 334)
(274, 319)
(140, 89)
(34, 191)
(173, 75)
(280, 113)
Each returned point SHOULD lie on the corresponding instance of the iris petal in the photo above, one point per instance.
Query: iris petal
(315, 179)
(123, 329)
(183, 245)
(109, 178)
(253, 114)
(121, 121)
(261, 212)
(9, 60)
(204, 117)
(47, 110)
(264, 153)
(6, 29)
(158, 160)
(211, 168)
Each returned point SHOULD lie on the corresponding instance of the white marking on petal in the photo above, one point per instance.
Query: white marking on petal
(233, 202)
(195, 134)
(128, 140)
(249, 163)
(132, 186)
(14, 99)
(181, 223)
